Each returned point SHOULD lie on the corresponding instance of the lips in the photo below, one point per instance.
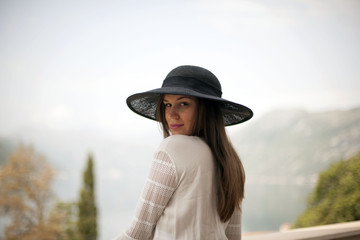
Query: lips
(175, 126)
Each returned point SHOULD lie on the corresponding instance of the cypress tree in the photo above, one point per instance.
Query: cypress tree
(87, 221)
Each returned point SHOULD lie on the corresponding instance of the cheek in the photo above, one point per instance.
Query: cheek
(192, 117)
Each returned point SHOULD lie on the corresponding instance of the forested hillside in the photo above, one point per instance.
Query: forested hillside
(283, 152)
(338, 189)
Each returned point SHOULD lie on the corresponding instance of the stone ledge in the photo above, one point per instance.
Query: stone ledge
(339, 231)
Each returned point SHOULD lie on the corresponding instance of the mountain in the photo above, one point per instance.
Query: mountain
(283, 153)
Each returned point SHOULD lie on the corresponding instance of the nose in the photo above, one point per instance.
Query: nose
(173, 113)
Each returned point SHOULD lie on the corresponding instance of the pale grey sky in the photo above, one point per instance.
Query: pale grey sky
(71, 64)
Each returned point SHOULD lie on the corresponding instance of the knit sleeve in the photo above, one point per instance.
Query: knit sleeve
(233, 230)
(159, 187)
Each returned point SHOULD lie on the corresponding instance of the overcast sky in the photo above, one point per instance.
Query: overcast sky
(71, 64)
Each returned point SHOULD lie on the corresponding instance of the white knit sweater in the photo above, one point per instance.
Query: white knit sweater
(179, 197)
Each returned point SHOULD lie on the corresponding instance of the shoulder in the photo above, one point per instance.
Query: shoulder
(182, 148)
(181, 142)
(189, 155)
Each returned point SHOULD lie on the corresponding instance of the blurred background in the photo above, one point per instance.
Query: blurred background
(67, 67)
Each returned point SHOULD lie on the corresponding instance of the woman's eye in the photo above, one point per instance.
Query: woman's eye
(167, 104)
(184, 104)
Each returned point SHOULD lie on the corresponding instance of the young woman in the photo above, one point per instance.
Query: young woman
(196, 182)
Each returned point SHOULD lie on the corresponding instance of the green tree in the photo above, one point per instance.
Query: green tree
(65, 215)
(87, 220)
(336, 198)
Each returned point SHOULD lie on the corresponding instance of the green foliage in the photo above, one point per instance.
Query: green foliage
(87, 221)
(336, 197)
(66, 213)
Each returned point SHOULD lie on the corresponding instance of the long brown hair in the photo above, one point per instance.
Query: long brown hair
(230, 173)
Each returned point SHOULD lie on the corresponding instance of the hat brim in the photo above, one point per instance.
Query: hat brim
(145, 104)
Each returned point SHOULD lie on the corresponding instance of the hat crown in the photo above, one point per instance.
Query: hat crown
(190, 81)
(199, 73)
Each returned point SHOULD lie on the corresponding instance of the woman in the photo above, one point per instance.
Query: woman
(196, 182)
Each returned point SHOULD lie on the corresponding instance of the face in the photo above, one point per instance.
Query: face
(180, 113)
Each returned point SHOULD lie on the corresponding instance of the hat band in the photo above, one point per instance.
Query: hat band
(193, 84)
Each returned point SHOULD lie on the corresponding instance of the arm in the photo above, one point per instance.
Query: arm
(233, 229)
(159, 187)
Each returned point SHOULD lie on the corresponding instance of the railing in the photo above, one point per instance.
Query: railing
(340, 231)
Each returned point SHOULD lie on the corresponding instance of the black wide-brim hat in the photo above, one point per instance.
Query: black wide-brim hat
(191, 81)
